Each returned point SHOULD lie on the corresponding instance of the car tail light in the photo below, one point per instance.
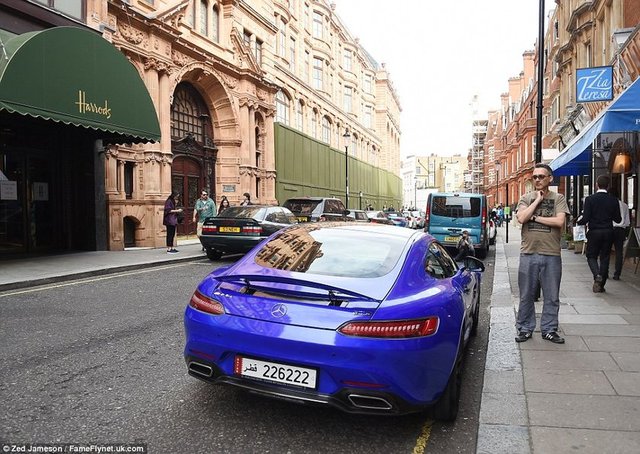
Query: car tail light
(206, 304)
(395, 329)
(209, 229)
(252, 230)
(484, 216)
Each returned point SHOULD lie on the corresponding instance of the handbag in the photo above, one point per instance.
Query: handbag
(579, 233)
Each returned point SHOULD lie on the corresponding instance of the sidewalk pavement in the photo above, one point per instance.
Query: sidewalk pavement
(582, 396)
(538, 397)
(27, 272)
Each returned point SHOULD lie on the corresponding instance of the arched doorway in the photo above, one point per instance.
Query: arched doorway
(193, 168)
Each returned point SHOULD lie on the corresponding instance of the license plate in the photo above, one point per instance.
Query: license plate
(229, 229)
(275, 372)
(451, 239)
(302, 219)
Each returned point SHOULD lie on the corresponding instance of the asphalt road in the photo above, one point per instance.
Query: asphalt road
(100, 361)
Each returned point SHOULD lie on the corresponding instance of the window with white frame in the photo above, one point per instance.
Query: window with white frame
(305, 70)
(282, 107)
(317, 73)
(282, 38)
(326, 130)
(348, 99)
(368, 116)
(314, 124)
(300, 116)
(367, 85)
(347, 59)
(317, 25)
(292, 54)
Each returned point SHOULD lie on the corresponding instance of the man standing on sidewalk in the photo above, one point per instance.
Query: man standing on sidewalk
(620, 233)
(204, 208)
(601, 210)
(542, 214)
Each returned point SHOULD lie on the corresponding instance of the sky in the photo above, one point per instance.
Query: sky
(439, 54)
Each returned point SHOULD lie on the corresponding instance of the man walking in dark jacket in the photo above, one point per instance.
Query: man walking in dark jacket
(601, 210)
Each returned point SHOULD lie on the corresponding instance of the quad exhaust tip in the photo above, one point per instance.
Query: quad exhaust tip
(201, 370)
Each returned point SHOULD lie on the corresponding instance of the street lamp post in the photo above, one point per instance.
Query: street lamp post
(347, 139)
(415, 193)
(360, 194)
(497, 180)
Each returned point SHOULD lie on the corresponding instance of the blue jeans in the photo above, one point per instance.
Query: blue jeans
(546, 271)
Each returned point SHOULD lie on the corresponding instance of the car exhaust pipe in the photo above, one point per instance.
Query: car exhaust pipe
(369, 402)
(202, 370)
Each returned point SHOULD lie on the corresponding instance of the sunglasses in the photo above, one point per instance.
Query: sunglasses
(539, 177)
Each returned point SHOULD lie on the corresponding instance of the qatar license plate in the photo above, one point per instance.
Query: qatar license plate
(229, 229)
(275, 372)
(451, 239)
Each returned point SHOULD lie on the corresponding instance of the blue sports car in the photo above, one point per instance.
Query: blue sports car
(365, 317)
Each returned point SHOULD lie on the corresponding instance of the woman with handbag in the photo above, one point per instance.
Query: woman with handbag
(170, 220)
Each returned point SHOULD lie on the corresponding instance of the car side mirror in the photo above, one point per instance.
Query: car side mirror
(473, 264)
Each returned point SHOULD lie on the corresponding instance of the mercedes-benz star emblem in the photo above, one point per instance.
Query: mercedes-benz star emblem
(279, 310)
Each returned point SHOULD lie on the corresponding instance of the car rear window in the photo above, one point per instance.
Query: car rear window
(456, 206)
(244, 212)
(301, 206)
(333, 252)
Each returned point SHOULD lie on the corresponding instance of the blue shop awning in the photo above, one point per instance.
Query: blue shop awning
(622, 115)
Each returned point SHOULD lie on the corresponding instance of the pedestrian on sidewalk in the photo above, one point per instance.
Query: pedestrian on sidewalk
(224, 203)
(601, 210)
(465, 246)
(203, 208)
(246, 200)
(170, 220)
(620, 230)
(542, 214)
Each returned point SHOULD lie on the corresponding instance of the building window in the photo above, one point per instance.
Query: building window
(128, 179)
(191, 14)
(367, 85)
(314, 124)
(346, 62)
(73, 8)
(317, 25)
(186, 113)
(292, 55)
(317, 73)
(282, 108)
(348, 99)
(326, 130)
(204, 17)
(306, 66)
(300, 116)
(215, 24)
(282, 38)
(368, 116)
(257, 51)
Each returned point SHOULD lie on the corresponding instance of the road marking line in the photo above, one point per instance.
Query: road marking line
(421, 442)
(89, 280)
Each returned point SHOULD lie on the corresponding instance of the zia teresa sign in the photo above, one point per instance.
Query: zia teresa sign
(594, 84)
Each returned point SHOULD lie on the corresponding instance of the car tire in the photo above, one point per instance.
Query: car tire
(213, 254)
(481, 253)
(446, 409)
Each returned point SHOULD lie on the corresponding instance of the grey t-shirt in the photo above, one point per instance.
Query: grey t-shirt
(538, 238)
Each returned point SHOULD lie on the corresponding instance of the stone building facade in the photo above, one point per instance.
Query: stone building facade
(220, 73)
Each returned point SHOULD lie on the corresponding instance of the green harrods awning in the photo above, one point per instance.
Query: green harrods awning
(74, 76)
